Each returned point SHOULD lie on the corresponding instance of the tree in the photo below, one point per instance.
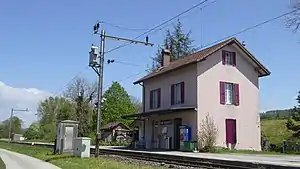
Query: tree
(117, 103)
(178, 42)
(50, 111)
(207, 135)
(293, 20)
(15, 128)
(82, 94)
(293, 122)
(77, 104)
(137, 103)
(33, 132)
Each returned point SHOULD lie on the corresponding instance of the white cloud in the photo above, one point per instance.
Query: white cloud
(20, 98)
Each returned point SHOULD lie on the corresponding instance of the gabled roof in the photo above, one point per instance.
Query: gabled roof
(112, 125)
(202, 54)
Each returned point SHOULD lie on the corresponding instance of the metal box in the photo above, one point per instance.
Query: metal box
(67, 130)
(82, 146)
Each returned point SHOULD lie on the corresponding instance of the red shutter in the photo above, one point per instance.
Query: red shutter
(158, 98)
(223, 57)
(172, 94)
(222, 92)
(237, 94)
(182, 92)
(233, 58)
(151, 99)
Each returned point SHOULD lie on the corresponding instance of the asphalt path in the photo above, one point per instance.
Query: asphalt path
(14, 160)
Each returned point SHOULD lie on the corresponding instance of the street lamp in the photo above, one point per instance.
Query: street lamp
(10, 122)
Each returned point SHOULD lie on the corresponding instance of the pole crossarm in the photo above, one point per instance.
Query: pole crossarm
(128, 40)
(96, 63)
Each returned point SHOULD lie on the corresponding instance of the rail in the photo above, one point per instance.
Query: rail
(171, 159)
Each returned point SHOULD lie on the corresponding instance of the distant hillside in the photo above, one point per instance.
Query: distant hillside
(275, 130)
(276, 114)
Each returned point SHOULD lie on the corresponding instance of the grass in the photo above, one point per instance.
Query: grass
(275, 130)
(2, 165)
(69, 162)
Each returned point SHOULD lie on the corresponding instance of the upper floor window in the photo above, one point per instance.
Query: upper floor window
(228, 58)
(155, 98)
(229, 93)
(177, 93)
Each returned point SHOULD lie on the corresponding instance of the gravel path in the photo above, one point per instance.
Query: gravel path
(14, 160)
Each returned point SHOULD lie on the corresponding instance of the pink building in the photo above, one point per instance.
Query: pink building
(221, 81)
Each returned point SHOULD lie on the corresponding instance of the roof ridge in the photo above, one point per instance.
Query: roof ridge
(192, 58)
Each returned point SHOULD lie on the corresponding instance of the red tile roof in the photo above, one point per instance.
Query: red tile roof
(198, 56)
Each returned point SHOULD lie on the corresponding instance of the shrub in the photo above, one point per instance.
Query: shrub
(207, 135)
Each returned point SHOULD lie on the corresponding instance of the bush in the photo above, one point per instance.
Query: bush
(207, 135)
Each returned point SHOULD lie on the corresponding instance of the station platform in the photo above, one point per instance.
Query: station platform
(278, 160)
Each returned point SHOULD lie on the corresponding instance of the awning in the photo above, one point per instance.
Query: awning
(159, 112)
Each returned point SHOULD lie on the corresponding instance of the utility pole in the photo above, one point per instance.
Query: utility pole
(11, 121)
(98, 68)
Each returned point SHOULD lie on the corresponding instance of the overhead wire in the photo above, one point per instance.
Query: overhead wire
(157, 30)
(128, 77)
(155, 27)
(247, 29)
(121, 27)
(226, 37)
(250, 28)
(70, 81)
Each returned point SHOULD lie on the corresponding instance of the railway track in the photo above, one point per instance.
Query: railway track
(176, 160)
(188, 161)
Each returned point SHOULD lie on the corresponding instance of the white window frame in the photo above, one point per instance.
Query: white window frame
(229, 93)
(228, 58)
(155, 99)
(177, 93)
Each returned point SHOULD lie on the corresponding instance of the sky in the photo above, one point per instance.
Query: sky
(44, 44)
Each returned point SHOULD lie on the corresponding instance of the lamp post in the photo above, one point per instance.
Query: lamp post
(11, 120)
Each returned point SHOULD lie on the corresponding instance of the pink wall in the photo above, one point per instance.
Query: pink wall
(203, 79)
(186, 74)
(210, 72)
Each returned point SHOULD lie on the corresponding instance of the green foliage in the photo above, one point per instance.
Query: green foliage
(2, 165)
(276, 114)
(178, 42)
(137, 104)
(16, 127)
(293, 122)
(71, 162)
(275, 130)
(81, 94)
(75, 105)
(33, 132)
(117, 103)
(51, 111)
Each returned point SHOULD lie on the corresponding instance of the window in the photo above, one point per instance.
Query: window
(228, 58)
(229, 93)
(177, 93)
(155, 99)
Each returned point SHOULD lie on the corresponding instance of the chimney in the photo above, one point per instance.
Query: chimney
(166, 57)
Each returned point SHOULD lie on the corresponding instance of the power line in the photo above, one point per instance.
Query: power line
(69, 82)
(237, 33)
(109, 61)
(126, 78)
(163, 23)
(121, 27)
(181, 17)
(250, 28)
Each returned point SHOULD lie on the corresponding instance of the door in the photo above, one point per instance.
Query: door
(231, 131)
(69, 138)
(176, 139)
